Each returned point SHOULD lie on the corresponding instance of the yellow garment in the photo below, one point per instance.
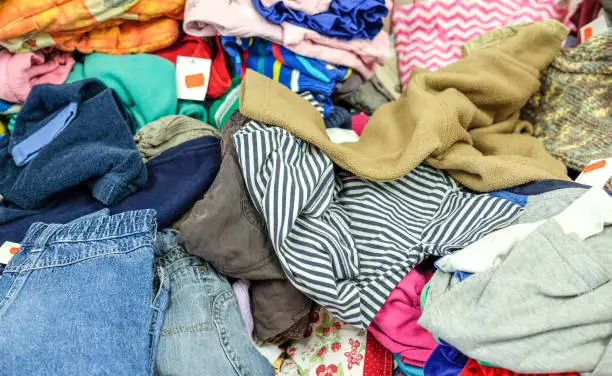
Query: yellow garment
(462, 118)
(127, 38)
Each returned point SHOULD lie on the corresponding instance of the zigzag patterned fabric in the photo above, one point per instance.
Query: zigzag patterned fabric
(430, 35)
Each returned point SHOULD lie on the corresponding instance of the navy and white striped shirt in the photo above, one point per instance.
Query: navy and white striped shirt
(344, 241)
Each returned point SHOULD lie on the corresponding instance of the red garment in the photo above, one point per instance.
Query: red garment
(586, 12)
(359, 122)
(190, 46)
(378, 360)
(473, 368)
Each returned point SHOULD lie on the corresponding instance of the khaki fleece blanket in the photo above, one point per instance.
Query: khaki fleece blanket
(463, 118)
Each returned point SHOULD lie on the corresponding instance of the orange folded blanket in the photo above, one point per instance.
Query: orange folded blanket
(116, 27)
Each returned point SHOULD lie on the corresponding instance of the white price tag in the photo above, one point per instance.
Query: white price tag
(593, 28)
(192, 77)
(7, 251)
(596, 173)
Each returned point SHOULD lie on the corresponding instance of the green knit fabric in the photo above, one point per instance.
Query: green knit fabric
(222, 108)
(572, 112)
(12, 118)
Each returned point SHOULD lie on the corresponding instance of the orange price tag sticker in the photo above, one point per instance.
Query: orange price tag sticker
(194, 80)
(588, 33)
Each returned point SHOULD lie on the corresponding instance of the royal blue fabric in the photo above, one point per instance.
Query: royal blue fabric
(178, 177)
(5, 106)
(28, 149)
(445, 360)
(96, 149)
(462, 275)
(514, 197)
(345, 19)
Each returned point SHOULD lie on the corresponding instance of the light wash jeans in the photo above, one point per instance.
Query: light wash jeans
(203, 333)
(78, 299)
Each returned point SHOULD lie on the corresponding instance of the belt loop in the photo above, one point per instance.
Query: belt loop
(42, 239)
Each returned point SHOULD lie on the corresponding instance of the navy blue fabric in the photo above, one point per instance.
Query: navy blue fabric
(537, 187)
(339, 117)
(543, 186)
(445, 360)
(96, 148)
(345, 19)
(178, 178)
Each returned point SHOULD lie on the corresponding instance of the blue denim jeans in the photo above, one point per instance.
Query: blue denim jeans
(203, 332)
(78, 299)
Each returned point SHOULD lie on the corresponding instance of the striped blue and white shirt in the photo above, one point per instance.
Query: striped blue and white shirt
(347, 242)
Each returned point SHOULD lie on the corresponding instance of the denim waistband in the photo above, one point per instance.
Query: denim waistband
(52, 245)
(92, 229)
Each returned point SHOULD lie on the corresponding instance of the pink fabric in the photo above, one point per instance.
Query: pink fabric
(430, 35)
(359, 122)
(306, 6)
(241, 19)
(20, 72)
(395, 325)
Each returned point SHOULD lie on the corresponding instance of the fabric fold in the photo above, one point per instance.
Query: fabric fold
(20, 72)
(241, 19)
(462, 118)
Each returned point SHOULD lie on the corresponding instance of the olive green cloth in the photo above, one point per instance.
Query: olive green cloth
(169, 131)
(462, 118)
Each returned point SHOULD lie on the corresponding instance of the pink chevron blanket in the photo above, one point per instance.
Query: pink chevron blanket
(430, 35)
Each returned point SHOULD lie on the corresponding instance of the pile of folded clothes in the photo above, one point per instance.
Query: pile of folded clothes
(305, 187)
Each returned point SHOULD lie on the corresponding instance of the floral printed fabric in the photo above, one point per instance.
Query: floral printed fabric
(331, 348)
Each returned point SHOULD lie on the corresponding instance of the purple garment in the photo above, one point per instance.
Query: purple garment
(241, 292)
